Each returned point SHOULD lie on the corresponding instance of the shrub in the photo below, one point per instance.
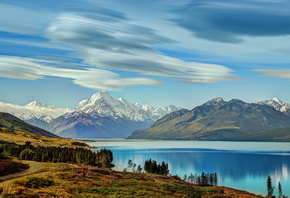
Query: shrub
(36, 182)
(79, 143)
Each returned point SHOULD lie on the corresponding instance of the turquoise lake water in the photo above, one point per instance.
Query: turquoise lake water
(240, 165)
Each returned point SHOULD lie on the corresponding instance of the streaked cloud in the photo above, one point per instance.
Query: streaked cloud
(32, 69)
(229, 21)
(275, 73)
(109, 40)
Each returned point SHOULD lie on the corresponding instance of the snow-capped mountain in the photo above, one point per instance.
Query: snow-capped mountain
(106, 106)
(102, 116)
(34, 112)
(278, 105)
(215, 102)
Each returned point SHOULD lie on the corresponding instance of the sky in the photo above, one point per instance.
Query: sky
(156, 52)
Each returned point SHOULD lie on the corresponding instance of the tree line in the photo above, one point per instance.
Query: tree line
(102, 158)
(151, 166)
(270, 189)
(209, 179)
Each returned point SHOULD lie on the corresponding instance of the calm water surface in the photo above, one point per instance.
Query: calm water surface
(241, 165)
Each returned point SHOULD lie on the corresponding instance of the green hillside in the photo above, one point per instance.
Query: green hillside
(280, 135)
(11, 122)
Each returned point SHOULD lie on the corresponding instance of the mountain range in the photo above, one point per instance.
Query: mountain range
(219, 120)
(101, 116)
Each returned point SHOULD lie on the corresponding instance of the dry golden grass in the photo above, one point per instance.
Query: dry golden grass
(36, 140)
(65, 180)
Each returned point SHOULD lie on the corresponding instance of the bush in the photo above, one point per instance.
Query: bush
(36, 182)
(79, 143)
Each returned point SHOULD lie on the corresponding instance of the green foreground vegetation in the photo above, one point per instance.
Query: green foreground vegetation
(88, 174)
(65, 180)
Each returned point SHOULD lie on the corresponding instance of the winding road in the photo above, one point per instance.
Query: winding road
(6, 185)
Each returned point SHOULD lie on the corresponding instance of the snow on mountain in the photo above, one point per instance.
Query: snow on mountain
(102, 116)
(106, 106)
(277, 104)
(216, 101)
(99, 116)
(34, 110)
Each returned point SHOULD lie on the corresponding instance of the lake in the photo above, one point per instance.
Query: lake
(240, 165)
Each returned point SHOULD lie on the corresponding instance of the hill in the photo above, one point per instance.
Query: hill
(11, 122)
(216, 120)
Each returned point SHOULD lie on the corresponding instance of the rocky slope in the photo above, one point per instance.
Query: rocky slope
(216, 120)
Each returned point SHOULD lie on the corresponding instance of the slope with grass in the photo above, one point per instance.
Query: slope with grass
(11, 122)
(276, 135)
(19, 137)
(64, 180)
(9, 166)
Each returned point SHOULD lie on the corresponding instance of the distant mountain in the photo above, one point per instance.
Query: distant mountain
(34, 112)
(278, 105)
(216, 120)
(11, 122)
(102, 116)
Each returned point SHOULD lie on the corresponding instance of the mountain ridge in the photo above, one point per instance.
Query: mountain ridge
(216, 120)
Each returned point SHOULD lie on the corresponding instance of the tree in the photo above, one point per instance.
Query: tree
(139, 169)
(280, 190)
(129, 164)
(270, 188)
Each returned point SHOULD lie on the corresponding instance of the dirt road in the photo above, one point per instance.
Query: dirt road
(6, 185)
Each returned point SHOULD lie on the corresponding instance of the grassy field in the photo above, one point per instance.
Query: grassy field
(19, 137)
(71, 181)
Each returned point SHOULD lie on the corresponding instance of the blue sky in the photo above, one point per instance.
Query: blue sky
(158, 52)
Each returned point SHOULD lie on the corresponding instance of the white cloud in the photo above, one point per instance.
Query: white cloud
(275, 73)
(32, 69)
(118, 44)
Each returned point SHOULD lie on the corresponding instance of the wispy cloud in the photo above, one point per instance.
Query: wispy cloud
(275, 73)
(228, 21)
(107, 39)
(32, 69)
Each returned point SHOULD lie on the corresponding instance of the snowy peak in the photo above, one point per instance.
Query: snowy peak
(277, 104)
(103, 95)
(277, 100)
(34, 110)
(216, 101)
(103, 104)
(95, 100)
(35, 104)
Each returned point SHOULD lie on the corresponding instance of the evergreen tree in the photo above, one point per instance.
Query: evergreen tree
(280, 190)
(270, 188)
